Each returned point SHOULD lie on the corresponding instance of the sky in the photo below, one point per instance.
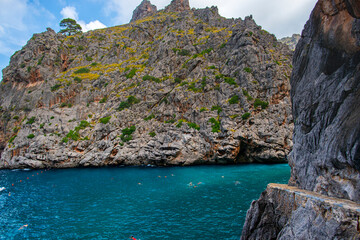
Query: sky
(20, 19)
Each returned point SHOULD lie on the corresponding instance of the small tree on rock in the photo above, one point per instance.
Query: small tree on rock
(71, 27)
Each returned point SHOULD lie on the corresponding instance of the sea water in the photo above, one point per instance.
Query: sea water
(201, 202)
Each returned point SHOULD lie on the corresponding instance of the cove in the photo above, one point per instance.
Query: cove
(200, 202)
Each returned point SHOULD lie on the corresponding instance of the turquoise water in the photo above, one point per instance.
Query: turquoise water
(115, 203)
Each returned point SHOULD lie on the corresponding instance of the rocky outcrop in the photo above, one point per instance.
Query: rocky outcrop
(291, 41)
(175, 88)
(325, 94)
(145, 9)
(285, 212)
(178, 6)
(326, 153)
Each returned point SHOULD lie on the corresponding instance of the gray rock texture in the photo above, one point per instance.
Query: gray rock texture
(285, 212)
(145, 9)
(178, 6)
(325, 95)
(291, 41)
(323, 196)
(176, 88)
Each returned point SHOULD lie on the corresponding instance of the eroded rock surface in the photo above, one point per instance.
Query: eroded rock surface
(176, 88)
(145, 9)
(325, 160)
(285, 212)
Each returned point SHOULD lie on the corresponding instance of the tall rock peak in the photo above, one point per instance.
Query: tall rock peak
(145, 9)
(178, 6)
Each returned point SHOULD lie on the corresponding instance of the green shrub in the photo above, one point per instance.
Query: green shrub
(12, 138)
(203, 109)
(22, 65)
(82, 125)
(40, 60)
(247, 95)
(94, 64)
(177, 80)
(170, 121)
(245, 116)
(80, 48)
(180, 122)
(103, 100)
(52, 117)
(258, 103)
(248, 70)
(89, 59)
(74, 135)
(215, 125)
(183, 52)
(152, 134)
(222, 45)
(63, 105)
(218, 108)
(65, 140)
(193, 88)
(77, 79)
(82, 70)
(193, 125)
(55, 87)
(212, 67)
(16, 117)
(31, 136)
(206, 51)
(131, 73)
(28, 69)
(105, 120)
(230, 81)
(31, 120)
(151, 78)
(183, 83)
(219, 76)
(234, 99)
(131, 100)
(149, 117)
(42, 125)
(127, 133)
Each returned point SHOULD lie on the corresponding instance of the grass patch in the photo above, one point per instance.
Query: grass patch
(104, 120)
(82, 70)
(216, 108)
(151, 116)
(151, 78)
(31, 136)
(193, 125)
(230, 81)
(152, 134)
(131, 74)
(234, 99)
(259, 103)
(127, 133)
(215, 125)
(131, 100)
(31, 120)
(246, 116)
(55, 87)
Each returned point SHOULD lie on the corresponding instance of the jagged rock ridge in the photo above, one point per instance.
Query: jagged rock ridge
(174, 88)
(325, 160)
(291, 41)
(145, 9)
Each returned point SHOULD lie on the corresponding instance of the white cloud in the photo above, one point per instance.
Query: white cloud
(69, 12)
(91, 25)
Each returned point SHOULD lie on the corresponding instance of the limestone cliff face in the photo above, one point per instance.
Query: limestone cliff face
(174, 88)
(325, 95)
(325, 160)
(145, 9)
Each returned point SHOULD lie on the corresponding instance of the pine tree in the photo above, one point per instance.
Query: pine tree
(71, 27)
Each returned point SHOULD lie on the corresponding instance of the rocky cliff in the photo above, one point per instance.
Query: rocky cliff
(325, 160)
(177, 87)
(291, 41)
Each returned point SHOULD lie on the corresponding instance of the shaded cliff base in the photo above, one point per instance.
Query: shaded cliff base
(285, 212)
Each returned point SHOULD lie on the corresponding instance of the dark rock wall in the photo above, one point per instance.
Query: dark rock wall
(326, 95)
(325, 160)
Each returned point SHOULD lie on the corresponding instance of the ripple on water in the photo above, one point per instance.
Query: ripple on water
(110, 203)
